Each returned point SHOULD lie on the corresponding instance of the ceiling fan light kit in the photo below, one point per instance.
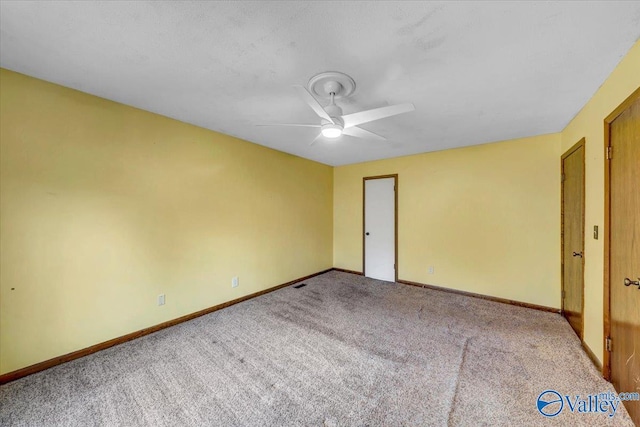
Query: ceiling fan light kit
(331, 130)
(334, 85)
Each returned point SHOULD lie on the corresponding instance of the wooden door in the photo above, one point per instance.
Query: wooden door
(380, 228)
(624, 255)
(573, 236)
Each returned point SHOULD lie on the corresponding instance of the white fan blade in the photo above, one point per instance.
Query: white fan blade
(362, 133)
(355, 119)
(309, 99)
(316, 138)
(288, 124)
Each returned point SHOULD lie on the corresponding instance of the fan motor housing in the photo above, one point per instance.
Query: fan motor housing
(333, 111)
(336, 120)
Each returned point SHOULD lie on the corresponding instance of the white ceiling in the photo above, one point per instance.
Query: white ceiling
(476, 72)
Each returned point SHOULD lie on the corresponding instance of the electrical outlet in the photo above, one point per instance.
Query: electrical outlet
(234, 282)
(431, 269)
(161, 299)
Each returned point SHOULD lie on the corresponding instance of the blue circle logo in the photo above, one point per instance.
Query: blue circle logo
(550, 403)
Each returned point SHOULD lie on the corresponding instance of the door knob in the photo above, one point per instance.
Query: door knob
(367, 233)
(629, 282)
(577, 254)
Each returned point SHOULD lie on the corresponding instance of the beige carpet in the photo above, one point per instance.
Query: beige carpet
(341, 351)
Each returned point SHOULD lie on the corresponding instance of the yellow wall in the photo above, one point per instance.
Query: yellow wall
(104, 207)
(589, 123)
(486, 217)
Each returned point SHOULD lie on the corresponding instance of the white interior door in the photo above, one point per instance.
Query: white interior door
(380, 229)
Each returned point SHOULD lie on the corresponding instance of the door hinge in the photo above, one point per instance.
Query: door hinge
(394, 266)
(608, 343)
(563, 177)
(564, 294)
(609, 153)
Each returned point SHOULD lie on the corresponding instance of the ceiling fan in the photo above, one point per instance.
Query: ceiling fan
(333, 85)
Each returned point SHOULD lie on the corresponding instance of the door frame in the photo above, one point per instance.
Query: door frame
(606, 365)
(395, 225)
(574, 148)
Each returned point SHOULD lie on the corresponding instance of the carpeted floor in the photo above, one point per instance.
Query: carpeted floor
(341, 351)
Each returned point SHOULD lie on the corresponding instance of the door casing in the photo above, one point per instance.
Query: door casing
(570, 151)
(395, 196)
(606, 365)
